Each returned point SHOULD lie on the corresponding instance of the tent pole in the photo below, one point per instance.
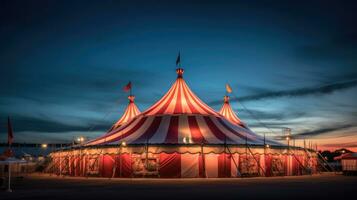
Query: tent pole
(60, 155)
(9, 181)
(120, 167)
(203, 161)
(235, 163)
(259, 166)
(224, 154)
(147, 153)
(246, 151)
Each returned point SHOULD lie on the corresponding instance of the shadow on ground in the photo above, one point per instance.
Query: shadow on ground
(301, 187)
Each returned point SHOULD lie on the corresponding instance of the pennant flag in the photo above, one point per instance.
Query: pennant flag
(10, 134)
(127, 87)
(178, 60)
(228, 88)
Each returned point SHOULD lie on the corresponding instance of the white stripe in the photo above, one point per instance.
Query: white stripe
(206, 132)
(190, 99)
(162, 131)
(121, 131)
(211, 164)
(164, 99)
(245, 132)
(200, 103)
(140, 131)
(185, 107)
(184, 129)
(226, 132)
(124, 130)
(189, 165)
(171, 107)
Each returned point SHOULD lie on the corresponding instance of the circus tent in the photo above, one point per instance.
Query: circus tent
(130, 112)
(229, 114)
(180, 117)
(179, 136)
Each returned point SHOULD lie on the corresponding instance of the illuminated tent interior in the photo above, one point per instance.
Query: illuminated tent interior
(181, 137)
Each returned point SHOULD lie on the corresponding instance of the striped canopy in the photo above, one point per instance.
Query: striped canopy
(130, 112)
(229, 114)
(180, 117)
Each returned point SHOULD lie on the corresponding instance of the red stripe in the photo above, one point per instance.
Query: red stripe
(150, 131)
(170, 165)
(189, 103)
(196, 134)
(136, 127)
(172, 135)
(224, 165)
(178, 106)
(216, 131)
(232, 130)
(159, 103)
(112, 132)
(164, 107)
(196, 100)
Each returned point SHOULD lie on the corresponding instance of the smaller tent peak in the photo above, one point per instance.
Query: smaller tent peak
(131, 98)
(179, 72)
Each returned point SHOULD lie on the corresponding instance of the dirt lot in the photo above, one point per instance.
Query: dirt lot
(326, 186)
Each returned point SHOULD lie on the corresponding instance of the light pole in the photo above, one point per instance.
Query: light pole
(288, 140)
(44, 147)
(9, 181)
(80, 140)
(122, 144)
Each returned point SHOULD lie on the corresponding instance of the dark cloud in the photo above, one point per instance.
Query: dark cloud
(319, 90)
(22, 124)
(342, 145)
(263, 115)
(322, 131)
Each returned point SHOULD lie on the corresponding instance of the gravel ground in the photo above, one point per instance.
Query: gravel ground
(327, 186)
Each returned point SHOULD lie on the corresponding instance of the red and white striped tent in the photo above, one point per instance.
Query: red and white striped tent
(229, 114)
(130, 112)
(180, 117)
(180, 136)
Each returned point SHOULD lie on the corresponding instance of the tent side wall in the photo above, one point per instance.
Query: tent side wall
(212, 163)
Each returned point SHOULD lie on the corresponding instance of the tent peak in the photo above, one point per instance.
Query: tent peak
(179, 72)
(131, 98)
(226, 99)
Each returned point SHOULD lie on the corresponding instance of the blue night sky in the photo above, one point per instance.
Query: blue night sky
(63, 64)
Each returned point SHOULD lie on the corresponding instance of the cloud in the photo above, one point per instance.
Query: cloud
(319, 90)
(321, 131)
(24, 124)
(264, 115)
(342, 145)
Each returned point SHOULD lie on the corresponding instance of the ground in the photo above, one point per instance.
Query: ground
(327, 186)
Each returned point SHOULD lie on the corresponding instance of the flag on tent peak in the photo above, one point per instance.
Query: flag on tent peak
(178, 60)
(127, 87)
(228, 88)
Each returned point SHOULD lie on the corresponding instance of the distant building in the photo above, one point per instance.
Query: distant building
(348, 162)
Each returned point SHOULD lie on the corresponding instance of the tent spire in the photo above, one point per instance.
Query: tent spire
(131, 98)
(226, 99)
(228, 112)
(130, 112)
(179, 72)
